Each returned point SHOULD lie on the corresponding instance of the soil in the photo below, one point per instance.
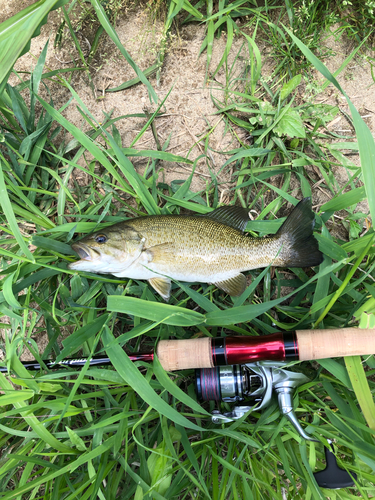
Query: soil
(189, 111)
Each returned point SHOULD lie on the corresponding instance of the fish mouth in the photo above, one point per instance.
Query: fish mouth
(85, 252)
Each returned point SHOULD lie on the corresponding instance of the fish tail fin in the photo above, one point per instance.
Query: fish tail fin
(300, 248)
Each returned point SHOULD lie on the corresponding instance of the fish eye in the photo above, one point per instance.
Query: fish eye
(101, 238)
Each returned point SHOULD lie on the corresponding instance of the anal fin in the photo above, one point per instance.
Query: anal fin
(162, 286)
(233, 286)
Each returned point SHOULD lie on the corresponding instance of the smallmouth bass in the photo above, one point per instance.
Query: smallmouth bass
(193, 248)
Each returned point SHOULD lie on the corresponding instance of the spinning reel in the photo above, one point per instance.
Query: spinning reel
(247, 371)
(252, 386)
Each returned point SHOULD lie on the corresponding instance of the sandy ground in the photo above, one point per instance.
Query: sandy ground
(189, 110)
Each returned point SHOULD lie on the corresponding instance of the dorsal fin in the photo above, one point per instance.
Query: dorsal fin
(236, 217)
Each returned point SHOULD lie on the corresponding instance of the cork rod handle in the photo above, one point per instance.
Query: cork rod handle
(312, 344)
(184, 354)
(332, 343)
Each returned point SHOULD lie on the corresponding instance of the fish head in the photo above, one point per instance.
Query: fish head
(111, 250)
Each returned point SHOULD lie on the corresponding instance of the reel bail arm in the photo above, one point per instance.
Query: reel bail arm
(254, 383)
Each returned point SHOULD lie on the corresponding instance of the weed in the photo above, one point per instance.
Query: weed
(134, 432)
(358, 18)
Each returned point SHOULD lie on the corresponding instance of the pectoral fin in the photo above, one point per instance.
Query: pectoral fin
(160, 253)
(162, 286)
(233, 286)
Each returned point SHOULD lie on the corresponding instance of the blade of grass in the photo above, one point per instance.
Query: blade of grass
(17, 31)
(247, 313)
(131, 375)
(341, 289)
(173, 389)
(38, 427)
(83, 459)
(366, 141)
(361, 388)
(134, 81)
(230, 25)
(102, 16)
(124, 164)
(9, 214)
(154, 311)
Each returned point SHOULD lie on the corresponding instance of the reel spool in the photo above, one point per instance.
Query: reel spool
(252, 385)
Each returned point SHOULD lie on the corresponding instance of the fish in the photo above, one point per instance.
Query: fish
(212, 248)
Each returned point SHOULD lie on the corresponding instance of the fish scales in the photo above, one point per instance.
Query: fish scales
(203, 248)
(207, 249)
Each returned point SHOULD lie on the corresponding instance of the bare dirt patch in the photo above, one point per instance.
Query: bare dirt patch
(189, 113)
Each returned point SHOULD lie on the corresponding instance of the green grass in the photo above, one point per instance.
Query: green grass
(133, 431)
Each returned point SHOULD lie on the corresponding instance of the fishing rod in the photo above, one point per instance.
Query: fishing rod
(208, 352)
(299, 345)
(248, 371)
(79, 362)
